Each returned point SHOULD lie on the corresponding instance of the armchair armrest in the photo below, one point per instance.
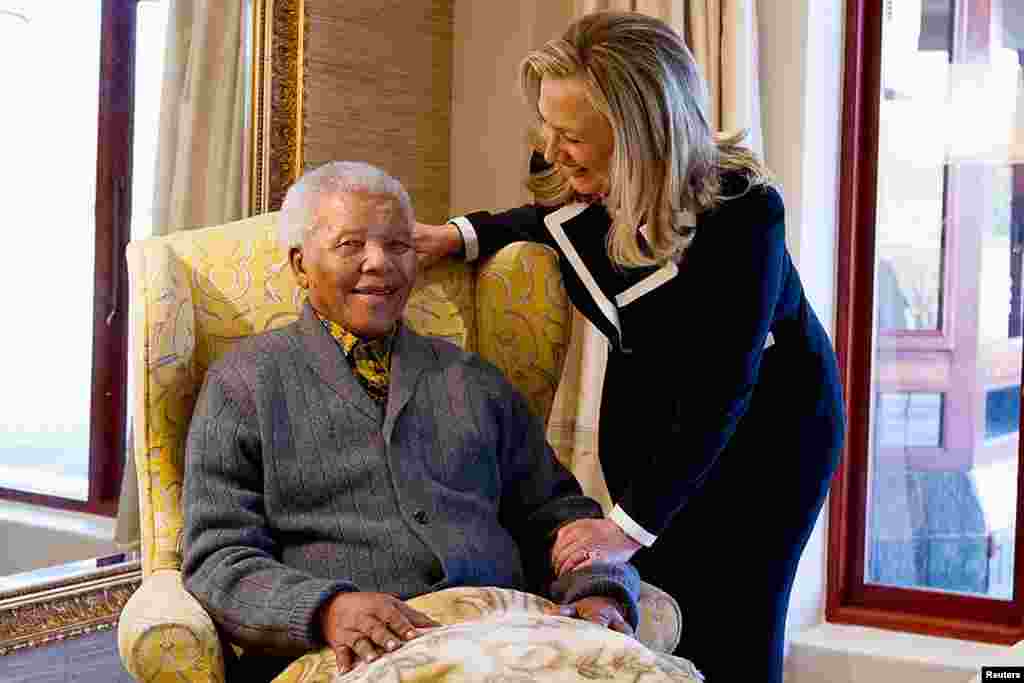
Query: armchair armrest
(661, 620)
(164, 631)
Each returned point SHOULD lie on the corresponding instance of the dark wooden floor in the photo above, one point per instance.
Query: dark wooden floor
(91, 658)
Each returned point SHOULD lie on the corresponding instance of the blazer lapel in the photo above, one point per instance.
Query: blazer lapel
(556, 223)
(410, 357)
(328, 361)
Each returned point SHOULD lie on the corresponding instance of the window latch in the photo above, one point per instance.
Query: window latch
(115, 241)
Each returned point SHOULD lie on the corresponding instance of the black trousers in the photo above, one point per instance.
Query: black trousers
(730, 555)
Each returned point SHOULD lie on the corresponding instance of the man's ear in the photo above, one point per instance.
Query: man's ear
(295, 261)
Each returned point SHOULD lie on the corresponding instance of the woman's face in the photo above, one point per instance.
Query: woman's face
(578, 138)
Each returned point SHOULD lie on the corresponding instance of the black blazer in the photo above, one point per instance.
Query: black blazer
(688, 344)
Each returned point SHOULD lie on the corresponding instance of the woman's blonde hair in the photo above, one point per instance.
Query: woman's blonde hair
(666, 159)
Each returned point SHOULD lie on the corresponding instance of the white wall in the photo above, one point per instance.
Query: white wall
(801, 71)
(489, 118)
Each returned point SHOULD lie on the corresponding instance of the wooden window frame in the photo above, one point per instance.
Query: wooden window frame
(849, 599)
(110, 300)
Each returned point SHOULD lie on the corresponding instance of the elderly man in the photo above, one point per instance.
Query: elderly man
(341, 464)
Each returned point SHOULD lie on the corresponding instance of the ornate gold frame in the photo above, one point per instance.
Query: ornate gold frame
(275, 136)
(43, 614)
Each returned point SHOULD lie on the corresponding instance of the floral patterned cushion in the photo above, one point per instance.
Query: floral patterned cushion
(497, 634)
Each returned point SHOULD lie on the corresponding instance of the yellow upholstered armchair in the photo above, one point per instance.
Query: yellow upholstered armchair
(193, 294)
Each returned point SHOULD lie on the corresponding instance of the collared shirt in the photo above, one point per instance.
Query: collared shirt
(370, 359)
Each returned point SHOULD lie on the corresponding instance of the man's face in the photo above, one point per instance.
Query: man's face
(357, 262)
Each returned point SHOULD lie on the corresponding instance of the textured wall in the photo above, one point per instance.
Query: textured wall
(489, 118)
(378, 83)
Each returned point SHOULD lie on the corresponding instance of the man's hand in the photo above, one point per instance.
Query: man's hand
(434, 242)
(600, 610)
(585, 541)
(367, 625)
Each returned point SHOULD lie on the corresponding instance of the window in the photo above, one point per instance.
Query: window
(925, 508)
(1002, 412)
(905, 420)
(67, 191)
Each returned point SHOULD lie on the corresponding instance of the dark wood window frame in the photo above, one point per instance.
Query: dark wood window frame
(849, 599)
(110, 302)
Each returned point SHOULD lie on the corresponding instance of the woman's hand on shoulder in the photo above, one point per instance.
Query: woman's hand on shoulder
(585, 541)
(434, 242)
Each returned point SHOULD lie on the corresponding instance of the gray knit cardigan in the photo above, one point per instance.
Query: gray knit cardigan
(298, 486)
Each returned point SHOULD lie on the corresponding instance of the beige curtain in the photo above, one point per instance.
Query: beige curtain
(723, 37)
(722, 34)
(672, 12)
(199, 163)
(202, 117)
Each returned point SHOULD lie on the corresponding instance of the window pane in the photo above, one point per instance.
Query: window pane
(946, 414)
(910, 229)
(49, 60)
(907, 420)
(1002, 411)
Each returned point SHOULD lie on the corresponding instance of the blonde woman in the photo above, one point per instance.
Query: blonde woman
(722, 416)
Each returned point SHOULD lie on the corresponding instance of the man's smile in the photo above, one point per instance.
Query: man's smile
(375, 290)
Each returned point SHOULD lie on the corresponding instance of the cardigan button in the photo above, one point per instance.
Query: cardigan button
(421, 517)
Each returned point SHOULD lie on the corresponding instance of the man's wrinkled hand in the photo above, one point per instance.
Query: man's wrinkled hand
(600, 610)
(366, 625)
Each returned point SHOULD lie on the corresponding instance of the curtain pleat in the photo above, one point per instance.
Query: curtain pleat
(202, 117)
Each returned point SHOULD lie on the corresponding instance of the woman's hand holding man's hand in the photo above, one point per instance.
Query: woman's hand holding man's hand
(580, 543)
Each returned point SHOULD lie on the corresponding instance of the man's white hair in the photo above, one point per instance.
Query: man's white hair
(337, 177)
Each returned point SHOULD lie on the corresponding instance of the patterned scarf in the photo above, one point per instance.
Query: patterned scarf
(369, 358)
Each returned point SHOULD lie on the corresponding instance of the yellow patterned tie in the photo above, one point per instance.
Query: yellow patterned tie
(370, 358)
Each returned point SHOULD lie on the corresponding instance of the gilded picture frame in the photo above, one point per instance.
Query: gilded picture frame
(45, 613)
(275, 134)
